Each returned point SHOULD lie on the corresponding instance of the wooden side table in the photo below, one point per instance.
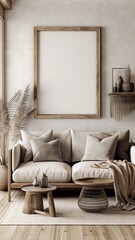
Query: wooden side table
(33, 202)
(92, 197)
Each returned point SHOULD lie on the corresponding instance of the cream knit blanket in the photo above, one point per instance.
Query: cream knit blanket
(123, 174)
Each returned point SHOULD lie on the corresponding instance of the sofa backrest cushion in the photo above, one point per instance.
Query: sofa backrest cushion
(26, 152)
(79, 143)
(123, 145)
(65, 143)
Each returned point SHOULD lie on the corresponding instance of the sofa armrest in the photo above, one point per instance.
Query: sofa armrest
(16, 156)
(132, 154)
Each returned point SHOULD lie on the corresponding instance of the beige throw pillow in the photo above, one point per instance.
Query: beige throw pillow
(46, 151)
(27, 137)
(97, 149)
(79, 139)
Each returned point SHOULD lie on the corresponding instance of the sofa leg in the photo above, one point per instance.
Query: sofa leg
(9, 195)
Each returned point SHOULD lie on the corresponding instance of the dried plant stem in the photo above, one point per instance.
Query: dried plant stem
(12, 119)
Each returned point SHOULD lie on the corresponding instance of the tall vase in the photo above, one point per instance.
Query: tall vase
(119, 82)
(44, 181)
(3, 177)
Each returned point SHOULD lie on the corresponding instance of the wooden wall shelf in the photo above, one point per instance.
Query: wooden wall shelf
(123, 94)
(121, 104)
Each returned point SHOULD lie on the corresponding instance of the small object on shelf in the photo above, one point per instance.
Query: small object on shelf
(43, 181)
(131, 86)
(35, 182)
(126, 86)
(114, 89)
(119, 82)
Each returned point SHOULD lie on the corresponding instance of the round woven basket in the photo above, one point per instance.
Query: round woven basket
(92, 199)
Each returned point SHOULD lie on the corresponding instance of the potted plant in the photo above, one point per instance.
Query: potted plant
(12, 119)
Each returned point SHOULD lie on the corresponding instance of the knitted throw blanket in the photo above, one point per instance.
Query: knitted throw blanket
(123, 174)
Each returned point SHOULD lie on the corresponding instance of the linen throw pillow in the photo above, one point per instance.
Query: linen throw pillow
(79, 139)
(97, 149)
(46, 151)
(27, 136)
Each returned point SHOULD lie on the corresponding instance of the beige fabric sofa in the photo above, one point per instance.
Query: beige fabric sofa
(70, 167)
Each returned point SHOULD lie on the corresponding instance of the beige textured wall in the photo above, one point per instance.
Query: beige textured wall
(117, 19)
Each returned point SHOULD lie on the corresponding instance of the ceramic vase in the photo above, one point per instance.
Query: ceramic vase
(131, 86)
(119, 82)
(127, 87)
(35, 182)
(44, 181)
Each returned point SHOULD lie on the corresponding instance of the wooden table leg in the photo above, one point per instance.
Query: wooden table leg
(51, 204)
(32, 202)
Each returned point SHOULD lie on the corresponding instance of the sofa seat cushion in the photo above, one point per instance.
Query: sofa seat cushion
(84, 170)
(56, 171)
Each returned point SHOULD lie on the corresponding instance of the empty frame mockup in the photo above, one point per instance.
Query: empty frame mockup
(67, 72)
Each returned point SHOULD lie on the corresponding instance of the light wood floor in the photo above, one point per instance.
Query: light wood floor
(63, 232)
(67, 232)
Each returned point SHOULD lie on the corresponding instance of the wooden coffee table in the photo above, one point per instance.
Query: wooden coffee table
(33, 202)
(92, 197)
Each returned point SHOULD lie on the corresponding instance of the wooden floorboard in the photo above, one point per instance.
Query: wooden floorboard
(61, 232)
(67, 232)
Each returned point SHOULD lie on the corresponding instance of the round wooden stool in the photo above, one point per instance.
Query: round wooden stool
(33, 202)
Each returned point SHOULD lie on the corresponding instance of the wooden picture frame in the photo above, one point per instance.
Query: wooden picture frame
(67, 72)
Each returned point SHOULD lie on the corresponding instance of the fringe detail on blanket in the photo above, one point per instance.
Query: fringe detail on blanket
(123, 174)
